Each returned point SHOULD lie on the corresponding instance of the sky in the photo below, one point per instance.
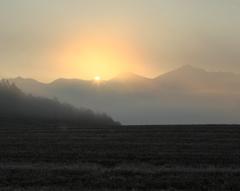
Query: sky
(50, 39)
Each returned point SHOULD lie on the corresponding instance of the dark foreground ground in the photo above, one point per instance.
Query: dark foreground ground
(119, 158)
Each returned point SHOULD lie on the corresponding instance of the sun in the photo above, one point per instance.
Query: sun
(97, 78)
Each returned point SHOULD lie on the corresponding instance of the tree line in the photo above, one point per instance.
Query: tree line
(15, 105)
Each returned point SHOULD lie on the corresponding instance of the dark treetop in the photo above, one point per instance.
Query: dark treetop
(15, 105)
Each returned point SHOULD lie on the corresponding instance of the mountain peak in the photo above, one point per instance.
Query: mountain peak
(186, 72)
(19, 78)
(68, 81)
(128, 76)
(189, 68)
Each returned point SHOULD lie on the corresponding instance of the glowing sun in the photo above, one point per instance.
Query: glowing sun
(97, 78)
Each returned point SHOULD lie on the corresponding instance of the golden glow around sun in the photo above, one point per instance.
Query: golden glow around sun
(97, 78)
(100, 53)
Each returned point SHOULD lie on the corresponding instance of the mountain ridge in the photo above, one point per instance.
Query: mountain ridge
(130, 75)
(188, 94)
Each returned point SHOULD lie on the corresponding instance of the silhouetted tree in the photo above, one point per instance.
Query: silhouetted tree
(19, 106)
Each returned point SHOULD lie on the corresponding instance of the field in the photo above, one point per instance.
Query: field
(190, 157)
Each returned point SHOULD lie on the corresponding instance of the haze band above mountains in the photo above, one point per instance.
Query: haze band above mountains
(187, 95)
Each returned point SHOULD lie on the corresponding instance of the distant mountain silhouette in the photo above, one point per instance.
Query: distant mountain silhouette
(185, 95)
(190, 78)
(29, 84)
(128, 82)
(184, 74)
(128, 77)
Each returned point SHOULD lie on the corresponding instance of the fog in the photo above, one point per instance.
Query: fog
(187, 95)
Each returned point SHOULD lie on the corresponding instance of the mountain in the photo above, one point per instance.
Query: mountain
(131, 78)
(29, 85)
(190, 78)
(182, 76)
(185, 95)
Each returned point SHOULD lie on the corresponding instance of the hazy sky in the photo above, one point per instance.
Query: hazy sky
(49, 39)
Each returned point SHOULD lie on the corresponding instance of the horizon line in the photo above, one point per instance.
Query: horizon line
(187, 65)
